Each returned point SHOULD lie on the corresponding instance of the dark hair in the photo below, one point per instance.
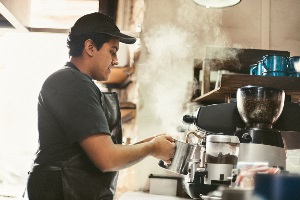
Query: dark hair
(76, 43)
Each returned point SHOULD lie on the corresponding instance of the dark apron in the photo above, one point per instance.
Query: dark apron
(80, 178)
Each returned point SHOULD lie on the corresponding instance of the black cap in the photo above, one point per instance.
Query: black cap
(99, 23)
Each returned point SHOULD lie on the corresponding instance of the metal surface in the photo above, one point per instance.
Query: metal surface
(236, 194)
(275, 156)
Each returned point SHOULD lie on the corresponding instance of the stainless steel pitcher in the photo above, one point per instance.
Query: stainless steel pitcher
(184, 153)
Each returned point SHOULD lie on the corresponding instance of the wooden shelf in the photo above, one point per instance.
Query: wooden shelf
(231, 59)
(239, 63)
(128, 111)
(231, 82)
(127, 115)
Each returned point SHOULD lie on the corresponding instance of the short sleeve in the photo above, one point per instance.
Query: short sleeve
(76, 106)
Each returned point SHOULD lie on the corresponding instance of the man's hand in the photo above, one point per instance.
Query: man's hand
(163, 147)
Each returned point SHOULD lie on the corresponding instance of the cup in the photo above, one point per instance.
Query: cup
(260, 68)
(275, 65)
(294, 66)
(253, 69)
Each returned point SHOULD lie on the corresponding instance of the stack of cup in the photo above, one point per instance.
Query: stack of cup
(275, 65)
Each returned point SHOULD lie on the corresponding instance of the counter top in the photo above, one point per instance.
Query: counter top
(147, 196)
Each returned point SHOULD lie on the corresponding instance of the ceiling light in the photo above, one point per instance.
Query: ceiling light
(216, 3)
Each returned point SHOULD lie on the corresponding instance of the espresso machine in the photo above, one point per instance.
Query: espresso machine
(245, 130)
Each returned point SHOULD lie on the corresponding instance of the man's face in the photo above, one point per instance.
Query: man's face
(104, 60)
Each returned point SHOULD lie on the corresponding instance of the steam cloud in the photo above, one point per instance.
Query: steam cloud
(172, 49)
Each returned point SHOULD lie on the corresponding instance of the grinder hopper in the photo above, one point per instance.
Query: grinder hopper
(260, 107)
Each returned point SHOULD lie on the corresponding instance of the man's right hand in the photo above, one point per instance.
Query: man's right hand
(163, 147)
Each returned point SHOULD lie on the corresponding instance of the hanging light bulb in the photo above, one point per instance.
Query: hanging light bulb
(216, 3)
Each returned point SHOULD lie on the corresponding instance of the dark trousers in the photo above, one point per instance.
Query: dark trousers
(45, 185)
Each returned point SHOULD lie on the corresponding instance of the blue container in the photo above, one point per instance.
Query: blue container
(277, 187)
(253, 69)
(275, 63)
(294, 66)
(263, 187)
(260, 68)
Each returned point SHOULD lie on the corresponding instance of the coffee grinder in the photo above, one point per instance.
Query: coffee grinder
(256, 116)
(259, 108)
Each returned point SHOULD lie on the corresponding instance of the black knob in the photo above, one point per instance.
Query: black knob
(247, 137)
(189, 119)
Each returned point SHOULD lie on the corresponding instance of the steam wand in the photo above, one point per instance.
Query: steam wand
(193, 133)
(202, 151)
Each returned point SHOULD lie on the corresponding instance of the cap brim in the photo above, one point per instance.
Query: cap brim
(124, 38)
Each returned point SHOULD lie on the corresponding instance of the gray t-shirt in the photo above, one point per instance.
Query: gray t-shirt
(69, 109)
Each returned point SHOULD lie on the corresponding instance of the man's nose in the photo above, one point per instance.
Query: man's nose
(114, 62)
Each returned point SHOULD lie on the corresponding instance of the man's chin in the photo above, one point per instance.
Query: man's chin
(103, 79)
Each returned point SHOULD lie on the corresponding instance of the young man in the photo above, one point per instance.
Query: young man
(79, 154)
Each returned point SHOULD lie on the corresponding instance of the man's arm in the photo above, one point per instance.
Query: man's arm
(108, 156)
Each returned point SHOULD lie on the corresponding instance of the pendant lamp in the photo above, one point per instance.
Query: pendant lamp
(216, 3)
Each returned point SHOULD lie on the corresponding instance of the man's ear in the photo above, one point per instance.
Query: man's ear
(89, 47)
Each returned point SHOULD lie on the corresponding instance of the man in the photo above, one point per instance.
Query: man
(79, 157)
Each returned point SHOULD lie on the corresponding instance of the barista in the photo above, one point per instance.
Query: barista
(79, 154)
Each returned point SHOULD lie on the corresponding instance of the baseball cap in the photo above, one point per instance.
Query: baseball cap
(97, 22)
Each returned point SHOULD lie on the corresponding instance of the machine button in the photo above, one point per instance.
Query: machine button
(247, 137)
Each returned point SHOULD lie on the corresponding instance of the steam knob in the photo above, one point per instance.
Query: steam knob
(247, 137)
(189, 119)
